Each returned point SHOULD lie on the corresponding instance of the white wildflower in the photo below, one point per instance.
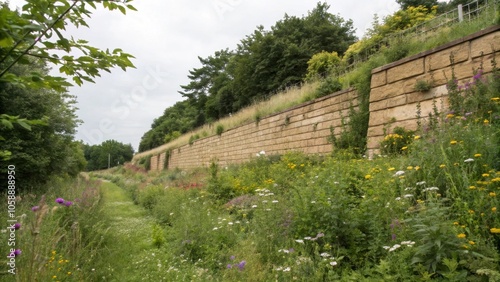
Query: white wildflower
(299, 241)
(399, 173)
(431, 189)
(420, 183)
(408, 196)
(469, 160)
(325, 255)
(333, 263)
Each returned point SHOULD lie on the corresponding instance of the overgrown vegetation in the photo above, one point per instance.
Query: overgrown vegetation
(57, 235)
(427, 212)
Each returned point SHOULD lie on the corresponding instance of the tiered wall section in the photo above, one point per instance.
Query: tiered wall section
(393, 102)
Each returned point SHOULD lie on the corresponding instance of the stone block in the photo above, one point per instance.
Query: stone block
(442, 59)
(485, 45)
(405, 70)
(379, 79)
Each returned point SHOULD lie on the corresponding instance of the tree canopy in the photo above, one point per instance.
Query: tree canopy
(37, 113)
(109, 153)
(263, 63)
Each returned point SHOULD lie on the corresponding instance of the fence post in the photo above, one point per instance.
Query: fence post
(460, 13)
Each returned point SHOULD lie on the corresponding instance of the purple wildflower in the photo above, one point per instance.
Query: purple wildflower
(35, 208)
(68, 203)
(232, 257)
(15, 253)
(393, 237)
(17, 226)
(477, 76)
(229, 266)
(60, 201)
(241, 265)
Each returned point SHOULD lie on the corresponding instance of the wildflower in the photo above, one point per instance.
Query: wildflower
(409, 167)
(275, 201)
(486, 121)
(431, 189)
(325, 255)
(399, 173)
(442, 166)
(469, 160)
(472, 242)
(60, 201)
(477, 155)
(471, 211)
(229, 266)
(495, 99)
(455, 223)
(17, 226)
(254, 206)
(461, 235)
(391, 169)
(408, 243)
(395, 247)
(492, 194)
(417, 167)
(262, 153)
(450, 116)
(368, 176)
(299, 241)
(35, 208)
(287, 269)
(472, 187)
(68, 203)
(486, 175)
(453, 142)
(333, 263)
(404, 148)
(416, 137)
(241, 265)
(408, 196)
(495, 230)
(494, 209)
(420, 183)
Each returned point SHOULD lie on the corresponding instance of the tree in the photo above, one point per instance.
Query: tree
(405, 4)
(109, 153)
(37, 120)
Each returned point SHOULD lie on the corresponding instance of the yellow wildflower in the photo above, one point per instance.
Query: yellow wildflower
(494, 209)
(477, 155)
(472, 242)
(417, 168)
(404, 148)
(442, 166)
(486, 121)
(486, 174)
(461, 235)
(455, 223)
(368, 176)
(391, 169)
(416, 137)
(471, 211)
(493, 194)
(495, 230)
(409, 168)
(453, 142)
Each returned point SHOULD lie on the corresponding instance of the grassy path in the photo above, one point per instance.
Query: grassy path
(129, 236)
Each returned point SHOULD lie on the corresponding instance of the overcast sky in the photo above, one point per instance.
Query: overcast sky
(166, 37)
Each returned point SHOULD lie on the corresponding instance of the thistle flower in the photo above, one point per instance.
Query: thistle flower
(241, 265)
(35, 208)
(60, 201)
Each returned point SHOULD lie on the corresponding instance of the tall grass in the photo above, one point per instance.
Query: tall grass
(59, 233)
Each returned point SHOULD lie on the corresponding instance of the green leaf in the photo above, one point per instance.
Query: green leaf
(22, 123)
